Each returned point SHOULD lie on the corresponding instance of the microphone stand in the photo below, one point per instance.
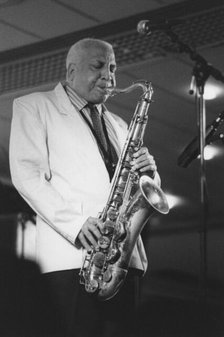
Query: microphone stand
(201, 72)
(200, 75)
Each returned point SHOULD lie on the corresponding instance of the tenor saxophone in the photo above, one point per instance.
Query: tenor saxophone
(132, 200)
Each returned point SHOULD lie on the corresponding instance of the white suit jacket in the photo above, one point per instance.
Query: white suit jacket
(57, 168)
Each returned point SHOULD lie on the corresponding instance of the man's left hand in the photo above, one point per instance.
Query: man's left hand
(143, 161)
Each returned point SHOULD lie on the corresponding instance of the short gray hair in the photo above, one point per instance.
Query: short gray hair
(74, 52)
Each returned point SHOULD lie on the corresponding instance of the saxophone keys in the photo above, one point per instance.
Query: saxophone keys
(114, 254)
(112, 214)
(104, 242)
(107, 276)
(92, 286)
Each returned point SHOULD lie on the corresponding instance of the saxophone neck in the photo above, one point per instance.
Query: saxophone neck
(145, 85)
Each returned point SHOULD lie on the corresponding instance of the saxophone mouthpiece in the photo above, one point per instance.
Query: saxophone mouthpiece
(111, 91)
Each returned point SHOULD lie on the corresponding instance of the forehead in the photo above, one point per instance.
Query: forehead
(100, 53)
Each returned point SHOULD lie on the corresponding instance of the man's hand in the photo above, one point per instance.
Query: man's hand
(90, 233)
(143, 161)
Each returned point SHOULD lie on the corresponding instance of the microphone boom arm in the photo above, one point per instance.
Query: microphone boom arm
(191, 151)
(201, 63)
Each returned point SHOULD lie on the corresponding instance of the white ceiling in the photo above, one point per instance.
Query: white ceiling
(30, 21)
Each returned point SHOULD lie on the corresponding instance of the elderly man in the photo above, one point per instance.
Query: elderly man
(63, 169)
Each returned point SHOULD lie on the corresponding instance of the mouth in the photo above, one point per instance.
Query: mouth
(107, 88)
(104, 89)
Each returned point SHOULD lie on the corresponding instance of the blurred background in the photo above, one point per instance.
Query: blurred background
(183, 290)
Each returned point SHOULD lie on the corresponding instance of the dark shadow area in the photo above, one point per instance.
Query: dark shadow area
(25, 307)
(11, 201)
(163, 317)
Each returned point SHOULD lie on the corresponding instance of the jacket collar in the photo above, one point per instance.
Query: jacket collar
(64, 103)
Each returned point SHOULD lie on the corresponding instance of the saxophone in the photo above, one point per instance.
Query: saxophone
(132, 200)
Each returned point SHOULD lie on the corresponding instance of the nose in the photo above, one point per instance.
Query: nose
(106, 74)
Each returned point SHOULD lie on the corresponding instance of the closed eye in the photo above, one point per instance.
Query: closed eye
(113, 68)
(97, 65)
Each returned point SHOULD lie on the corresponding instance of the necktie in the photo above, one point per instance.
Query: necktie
(98, 126)
(107, 151)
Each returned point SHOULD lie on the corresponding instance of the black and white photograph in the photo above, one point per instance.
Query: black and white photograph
(111, 168)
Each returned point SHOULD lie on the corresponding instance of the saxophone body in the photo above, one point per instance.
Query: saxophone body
(132, 200)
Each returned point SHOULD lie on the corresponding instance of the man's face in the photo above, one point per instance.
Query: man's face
(93, 73)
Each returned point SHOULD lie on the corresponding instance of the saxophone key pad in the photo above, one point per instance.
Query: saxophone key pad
(104, 242)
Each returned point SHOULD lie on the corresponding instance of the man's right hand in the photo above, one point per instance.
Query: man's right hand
(90, 233)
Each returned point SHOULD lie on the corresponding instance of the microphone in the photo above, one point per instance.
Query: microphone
(145, 27)
(191, 151)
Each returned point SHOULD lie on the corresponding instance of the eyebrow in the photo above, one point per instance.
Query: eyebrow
(102, 62)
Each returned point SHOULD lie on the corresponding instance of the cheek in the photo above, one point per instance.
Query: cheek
(89, 79)
(93, 77)
(81, 85)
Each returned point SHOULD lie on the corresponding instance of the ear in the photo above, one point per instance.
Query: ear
(71, 71)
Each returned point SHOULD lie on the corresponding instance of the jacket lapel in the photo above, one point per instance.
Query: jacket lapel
(64, 104)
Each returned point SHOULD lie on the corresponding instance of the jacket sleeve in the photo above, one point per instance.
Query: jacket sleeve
(30, 172)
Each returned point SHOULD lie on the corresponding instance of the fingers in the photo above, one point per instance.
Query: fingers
(90, 233)
(143, 161)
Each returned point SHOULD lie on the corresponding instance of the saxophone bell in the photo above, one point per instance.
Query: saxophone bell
(153, 194)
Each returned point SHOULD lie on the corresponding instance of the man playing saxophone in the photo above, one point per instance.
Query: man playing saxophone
(64, 145)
